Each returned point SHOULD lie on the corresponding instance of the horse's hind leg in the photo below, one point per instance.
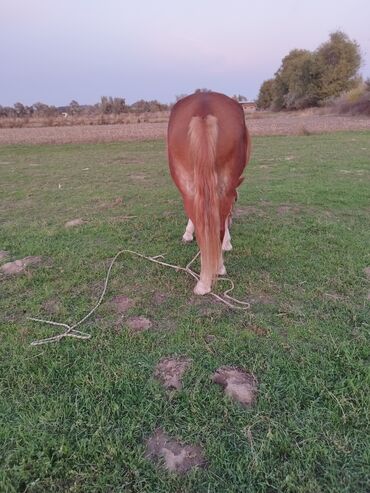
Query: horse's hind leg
(188, 236)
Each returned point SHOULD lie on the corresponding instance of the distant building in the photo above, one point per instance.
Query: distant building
(249, 106)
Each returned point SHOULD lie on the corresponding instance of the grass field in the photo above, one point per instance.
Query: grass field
(75, 416)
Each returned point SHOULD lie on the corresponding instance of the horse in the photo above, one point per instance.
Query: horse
(208, 147)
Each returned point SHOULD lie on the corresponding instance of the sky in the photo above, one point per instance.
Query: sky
(55, 51)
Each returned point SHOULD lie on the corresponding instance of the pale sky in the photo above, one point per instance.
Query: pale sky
(58, 50)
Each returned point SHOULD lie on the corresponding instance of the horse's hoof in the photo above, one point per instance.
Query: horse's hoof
(187, 238)
(201, 289)
(227, 247)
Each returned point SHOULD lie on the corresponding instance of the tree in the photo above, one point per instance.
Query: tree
(307, 78)
(118, 105)
(266, 95)
(240, 98)
(339, 60)
(42, 109)
(20, 109)
(295, 84)
(74, 107)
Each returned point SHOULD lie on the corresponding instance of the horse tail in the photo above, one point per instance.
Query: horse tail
(203, 134)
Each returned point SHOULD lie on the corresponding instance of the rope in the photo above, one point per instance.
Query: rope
(71, 329)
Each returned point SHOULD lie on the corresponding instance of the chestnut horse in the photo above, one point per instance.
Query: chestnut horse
(208, 149)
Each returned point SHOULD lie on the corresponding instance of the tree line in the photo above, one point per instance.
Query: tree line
(305, 78)
(107, 106)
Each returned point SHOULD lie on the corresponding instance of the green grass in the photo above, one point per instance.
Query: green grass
(74, 416)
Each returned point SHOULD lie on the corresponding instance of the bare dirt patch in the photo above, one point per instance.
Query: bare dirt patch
(367, 272)
(174, 456)
(19, 266)
(74, 222)
(139, 324)
(122, 303)
(169, 371)
(249, 210)
(237, 384)
(258, 124)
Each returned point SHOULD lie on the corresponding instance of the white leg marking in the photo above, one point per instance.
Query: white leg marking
(188, 236)
(226, 244)
(202, 288)
(222, 268)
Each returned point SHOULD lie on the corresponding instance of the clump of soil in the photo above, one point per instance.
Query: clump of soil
(175, 456)
(122, 303)
(169, 371)
(237, 384)
(74, 222)
(19, 266)
(138, 324)
(367, 272)
(3, 254)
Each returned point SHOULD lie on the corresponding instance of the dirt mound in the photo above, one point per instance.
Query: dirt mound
(237, 384)
(175, 456)
(122, 303)
(19, 266)
(170, 371)
(138, 324)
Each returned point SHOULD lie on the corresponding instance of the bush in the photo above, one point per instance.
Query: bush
(353, 102)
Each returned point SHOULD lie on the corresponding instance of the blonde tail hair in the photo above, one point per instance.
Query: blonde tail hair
(203, 133)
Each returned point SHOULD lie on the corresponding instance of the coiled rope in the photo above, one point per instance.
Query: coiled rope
(71, 330)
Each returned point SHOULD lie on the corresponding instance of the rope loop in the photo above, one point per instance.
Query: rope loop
(70, 330)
